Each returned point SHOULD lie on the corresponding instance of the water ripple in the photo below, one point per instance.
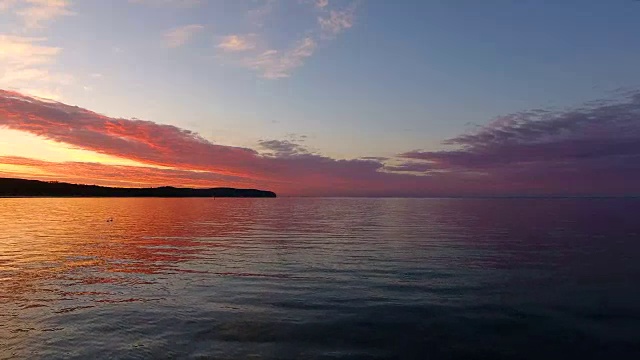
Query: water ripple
(318, 278)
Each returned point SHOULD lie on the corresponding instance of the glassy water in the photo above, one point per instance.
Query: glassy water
(319, 278)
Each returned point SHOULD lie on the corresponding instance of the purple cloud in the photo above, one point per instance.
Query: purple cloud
(593, 150)
(416, 167)
(607, 131)
(283, 148)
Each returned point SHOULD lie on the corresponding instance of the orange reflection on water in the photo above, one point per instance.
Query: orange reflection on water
(147, 236)
(61, 256)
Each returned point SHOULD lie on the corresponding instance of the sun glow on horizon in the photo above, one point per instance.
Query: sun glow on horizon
(13, 170)
(23, 144)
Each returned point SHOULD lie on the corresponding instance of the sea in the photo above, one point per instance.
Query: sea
(319, 278)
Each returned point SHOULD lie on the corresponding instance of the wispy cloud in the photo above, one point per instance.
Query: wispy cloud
(258, 14)
(179, 36)
(25, 61)
(598, 134)
(412, 167)
(25, 51)
(152, 144)
(587, 149)
(590, 150)
(337, 21)
(7, 4)
(276, 62)
(283, 148)
(24, 65)
(113, 175)
(174, 3)
(36, 13)
(321, 3)
(273, 64)
(235, 43)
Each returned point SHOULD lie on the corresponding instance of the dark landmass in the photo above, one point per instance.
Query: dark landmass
(35, 188)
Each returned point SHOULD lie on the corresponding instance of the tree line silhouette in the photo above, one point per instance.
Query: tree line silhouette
(11, 187)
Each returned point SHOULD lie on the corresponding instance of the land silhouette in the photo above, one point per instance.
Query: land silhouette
(11, 187)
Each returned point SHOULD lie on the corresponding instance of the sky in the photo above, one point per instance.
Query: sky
(324, 97)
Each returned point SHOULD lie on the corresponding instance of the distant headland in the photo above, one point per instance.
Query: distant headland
(10, 187)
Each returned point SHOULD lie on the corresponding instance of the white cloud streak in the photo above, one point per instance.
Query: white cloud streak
(174, 3)
(181, 35)
(337, 21)
(280, 62)
(35, 13)
(236, 43)
(321, 3)
(273, 64)
(7, 4)
(24, 63)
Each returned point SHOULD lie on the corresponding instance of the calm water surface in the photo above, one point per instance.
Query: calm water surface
(319, 278)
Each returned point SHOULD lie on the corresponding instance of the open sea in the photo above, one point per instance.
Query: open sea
(304, 278)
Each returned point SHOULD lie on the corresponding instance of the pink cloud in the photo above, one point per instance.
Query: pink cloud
(594, 150)
(119, 175)
(179, 149)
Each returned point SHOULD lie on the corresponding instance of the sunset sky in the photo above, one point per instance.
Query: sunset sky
(324, 97)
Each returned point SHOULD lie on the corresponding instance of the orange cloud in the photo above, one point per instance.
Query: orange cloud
(150, 143)
(179, 36)
(235, 43)
(113, 175)
(591, 151)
